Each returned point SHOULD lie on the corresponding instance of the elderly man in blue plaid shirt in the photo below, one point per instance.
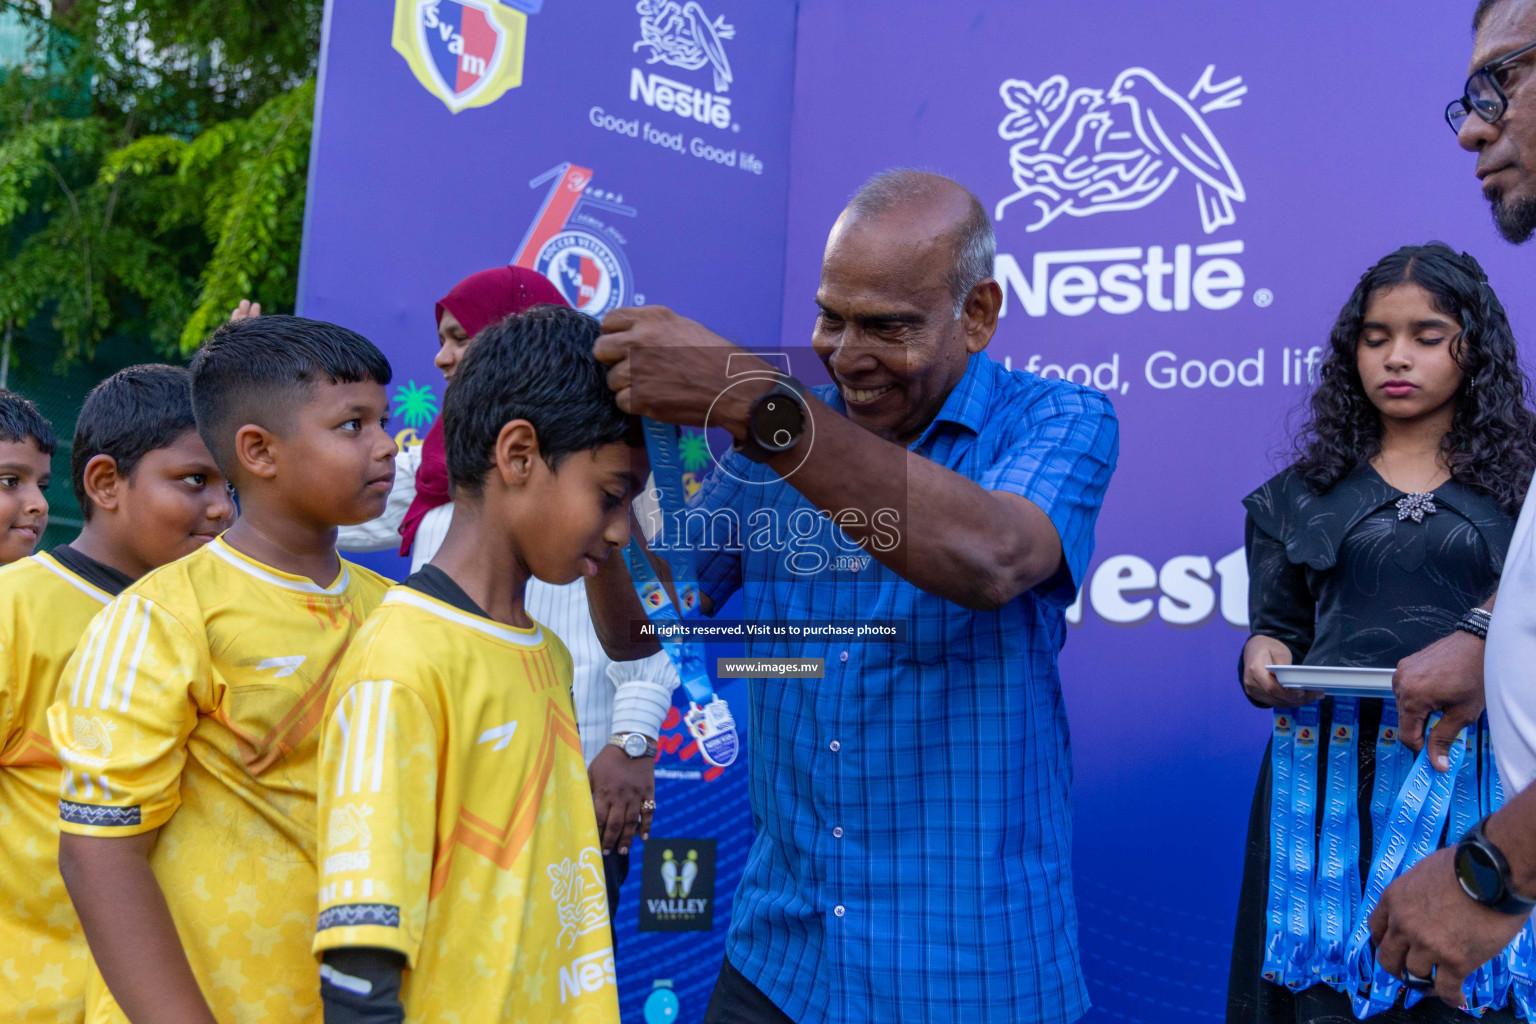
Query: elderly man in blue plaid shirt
(914, 830)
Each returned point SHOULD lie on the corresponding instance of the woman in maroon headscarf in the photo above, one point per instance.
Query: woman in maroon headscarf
(419, 506)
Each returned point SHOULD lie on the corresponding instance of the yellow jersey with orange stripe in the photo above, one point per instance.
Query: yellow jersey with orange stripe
(44, 610)
(456, 821)
(192, 706)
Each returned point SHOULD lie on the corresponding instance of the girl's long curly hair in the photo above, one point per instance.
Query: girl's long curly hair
(1491, 445)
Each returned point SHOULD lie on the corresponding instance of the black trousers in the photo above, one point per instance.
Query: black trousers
(737, 1001)
(615, 870)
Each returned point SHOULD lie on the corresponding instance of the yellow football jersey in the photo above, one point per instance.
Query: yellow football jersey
(192, 706)
(44, 610)
(456, 821)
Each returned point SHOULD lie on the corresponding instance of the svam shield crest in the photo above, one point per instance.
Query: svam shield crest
(467, 52)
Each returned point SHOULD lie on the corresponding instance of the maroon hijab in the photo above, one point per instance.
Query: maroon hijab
(475, 302)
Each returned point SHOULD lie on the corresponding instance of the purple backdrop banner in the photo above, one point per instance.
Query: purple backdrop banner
(1183, 198)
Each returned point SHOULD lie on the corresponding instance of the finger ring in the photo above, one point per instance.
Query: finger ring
(648, 805)
(1417, 983)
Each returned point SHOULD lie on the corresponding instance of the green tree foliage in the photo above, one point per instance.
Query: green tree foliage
(153, 157)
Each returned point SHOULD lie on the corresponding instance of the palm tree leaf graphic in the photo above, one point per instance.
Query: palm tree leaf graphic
(415, 403)
(694, 451)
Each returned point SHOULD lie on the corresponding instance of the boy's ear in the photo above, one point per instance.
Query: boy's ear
(254, 446)
(517, 447)
(103, 483)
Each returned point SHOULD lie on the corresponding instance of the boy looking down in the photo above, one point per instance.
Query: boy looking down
(461, 877)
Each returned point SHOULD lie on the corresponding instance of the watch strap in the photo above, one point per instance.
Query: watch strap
(1505, 900)
(1476, 622)
(617, 740)
(749, 446)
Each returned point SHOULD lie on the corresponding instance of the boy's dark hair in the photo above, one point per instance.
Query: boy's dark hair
(536, 366)
(127, 416)
(258, 370)
(20, 420)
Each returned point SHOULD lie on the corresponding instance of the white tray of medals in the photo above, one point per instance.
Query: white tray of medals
(1335, 681)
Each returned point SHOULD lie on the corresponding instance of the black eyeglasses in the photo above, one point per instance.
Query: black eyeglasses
(1483, 96)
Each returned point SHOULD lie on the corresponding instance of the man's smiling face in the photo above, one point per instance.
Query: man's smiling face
(887, 329)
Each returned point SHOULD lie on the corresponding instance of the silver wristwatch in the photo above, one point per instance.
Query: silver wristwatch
(635, 744)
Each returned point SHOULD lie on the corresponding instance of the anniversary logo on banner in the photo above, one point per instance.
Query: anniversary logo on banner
(571, 246)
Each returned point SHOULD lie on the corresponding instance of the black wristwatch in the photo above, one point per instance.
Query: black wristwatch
(775, 424)
(1484, 874)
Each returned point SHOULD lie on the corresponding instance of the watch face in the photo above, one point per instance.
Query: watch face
(634, 745)
(1478, 874)
(777, 423)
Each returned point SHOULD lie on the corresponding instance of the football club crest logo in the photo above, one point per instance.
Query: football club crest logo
(585, 269)
(467, 53)
(568, 244)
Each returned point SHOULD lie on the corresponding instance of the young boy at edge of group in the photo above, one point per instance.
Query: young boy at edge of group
(26, 450)
(150, 493)
(188, 844)
(461, 876)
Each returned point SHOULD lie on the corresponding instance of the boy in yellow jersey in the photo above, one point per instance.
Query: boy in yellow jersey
(188, 838)
(150, 493)
(26, 447)
(460, 873)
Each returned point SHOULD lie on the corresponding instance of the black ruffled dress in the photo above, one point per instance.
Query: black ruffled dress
(1340, 579)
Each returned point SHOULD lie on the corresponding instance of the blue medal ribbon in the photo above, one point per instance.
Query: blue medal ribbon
(1299, 875)
(1392, 763)
(708, 719)
(1280, 773)
(1338, 873)
(1522, 987)
(1414, 809)
(1490, 987)
(1415, 824)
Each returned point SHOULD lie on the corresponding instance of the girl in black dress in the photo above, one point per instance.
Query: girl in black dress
(1391, 522)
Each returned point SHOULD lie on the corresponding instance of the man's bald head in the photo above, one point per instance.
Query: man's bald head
(906, 298)
(935, 204)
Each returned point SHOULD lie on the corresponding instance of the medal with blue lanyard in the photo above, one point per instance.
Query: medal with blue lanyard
(1281, 767)
(708, 719)
(1415, 824)
(1288, 957)
(1338, 872)
(1303, 847)
(1414, 809)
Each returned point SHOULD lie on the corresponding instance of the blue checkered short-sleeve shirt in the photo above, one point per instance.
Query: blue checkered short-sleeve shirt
(914, 831)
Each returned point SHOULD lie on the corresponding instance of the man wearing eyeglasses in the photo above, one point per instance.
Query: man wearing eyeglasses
(1462, 905)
